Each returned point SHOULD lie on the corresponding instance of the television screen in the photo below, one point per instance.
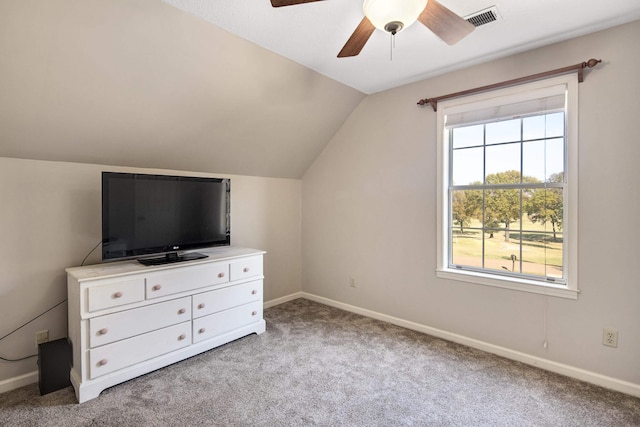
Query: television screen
(156, 214)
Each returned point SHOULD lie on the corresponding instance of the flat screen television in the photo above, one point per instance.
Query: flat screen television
(145, 215)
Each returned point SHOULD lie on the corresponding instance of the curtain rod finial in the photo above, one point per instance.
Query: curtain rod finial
(591, 63)
(431, 101)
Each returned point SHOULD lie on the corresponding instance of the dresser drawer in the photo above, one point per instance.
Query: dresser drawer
(246, 267)
(225, 298)
(129, 323)
(121, 354)
(186, 279)
(225, 321)
(115, 294)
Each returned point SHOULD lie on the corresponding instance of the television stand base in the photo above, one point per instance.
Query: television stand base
(171, 258)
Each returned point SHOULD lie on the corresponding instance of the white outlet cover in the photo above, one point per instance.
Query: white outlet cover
(610, 337)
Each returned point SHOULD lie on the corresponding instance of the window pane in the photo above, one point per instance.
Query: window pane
(466, 208)
(543, 210)
(543, 126)
(554, 125)
(544, 159)
(542, 254)
(502, 253)
(500, 159)
(466, 248)
(502, 209)
(533, 128)
(542, 239)
(554, 257)
(555, 160)
(467, 166)
(533, 160)
(468, 136)
(506, 131)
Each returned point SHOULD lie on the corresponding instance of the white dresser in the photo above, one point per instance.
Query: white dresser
(126, 319)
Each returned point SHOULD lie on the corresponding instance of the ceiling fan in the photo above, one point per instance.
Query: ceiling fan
(394, 15)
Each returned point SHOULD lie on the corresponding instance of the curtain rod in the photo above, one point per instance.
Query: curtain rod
(578, 67)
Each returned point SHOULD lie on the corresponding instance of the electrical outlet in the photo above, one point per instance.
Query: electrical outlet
(610, 337)
(352, 282)
(42, 336)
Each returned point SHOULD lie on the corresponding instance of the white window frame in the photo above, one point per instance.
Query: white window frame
(570, 233)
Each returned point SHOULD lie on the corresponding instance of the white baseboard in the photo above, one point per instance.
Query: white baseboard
(19, 381)
(549, 365)
(282, 300)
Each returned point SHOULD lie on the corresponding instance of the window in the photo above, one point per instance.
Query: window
(507, 190)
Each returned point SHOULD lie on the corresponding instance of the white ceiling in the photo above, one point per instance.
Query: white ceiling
(312, 34)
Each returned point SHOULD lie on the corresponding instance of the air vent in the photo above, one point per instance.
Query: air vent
(483, 17)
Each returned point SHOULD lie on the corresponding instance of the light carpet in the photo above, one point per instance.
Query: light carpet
(317, 365)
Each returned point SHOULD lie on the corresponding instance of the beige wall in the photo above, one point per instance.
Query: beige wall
(364, 209)
(369, 212)
(50, 219)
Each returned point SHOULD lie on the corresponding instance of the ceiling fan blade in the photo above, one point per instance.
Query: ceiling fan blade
(358, 39)
(444, 23)
(278, 3)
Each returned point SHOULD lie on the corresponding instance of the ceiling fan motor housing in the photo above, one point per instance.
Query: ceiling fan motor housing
(393, 15)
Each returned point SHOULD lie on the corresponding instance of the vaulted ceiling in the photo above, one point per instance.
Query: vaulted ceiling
(141, 83)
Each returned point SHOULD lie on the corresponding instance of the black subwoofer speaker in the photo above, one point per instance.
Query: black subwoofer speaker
(54, 365)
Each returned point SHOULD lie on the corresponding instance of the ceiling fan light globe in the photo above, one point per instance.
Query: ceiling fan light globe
(382, 12)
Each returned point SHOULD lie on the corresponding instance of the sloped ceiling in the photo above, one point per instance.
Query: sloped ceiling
(141, 83)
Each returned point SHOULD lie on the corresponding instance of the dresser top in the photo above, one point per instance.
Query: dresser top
(112, 269)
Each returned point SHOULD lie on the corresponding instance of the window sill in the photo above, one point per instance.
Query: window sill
(508, 283)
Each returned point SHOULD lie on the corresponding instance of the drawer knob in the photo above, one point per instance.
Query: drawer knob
(201, 306)
(253, 313)
(253, 292)
(117, 295)
(102, 362)
(201, 331)
(181, 337)
(221, 274)
(156, 287)
(246, 269)
(103, 331)
(182, 311)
